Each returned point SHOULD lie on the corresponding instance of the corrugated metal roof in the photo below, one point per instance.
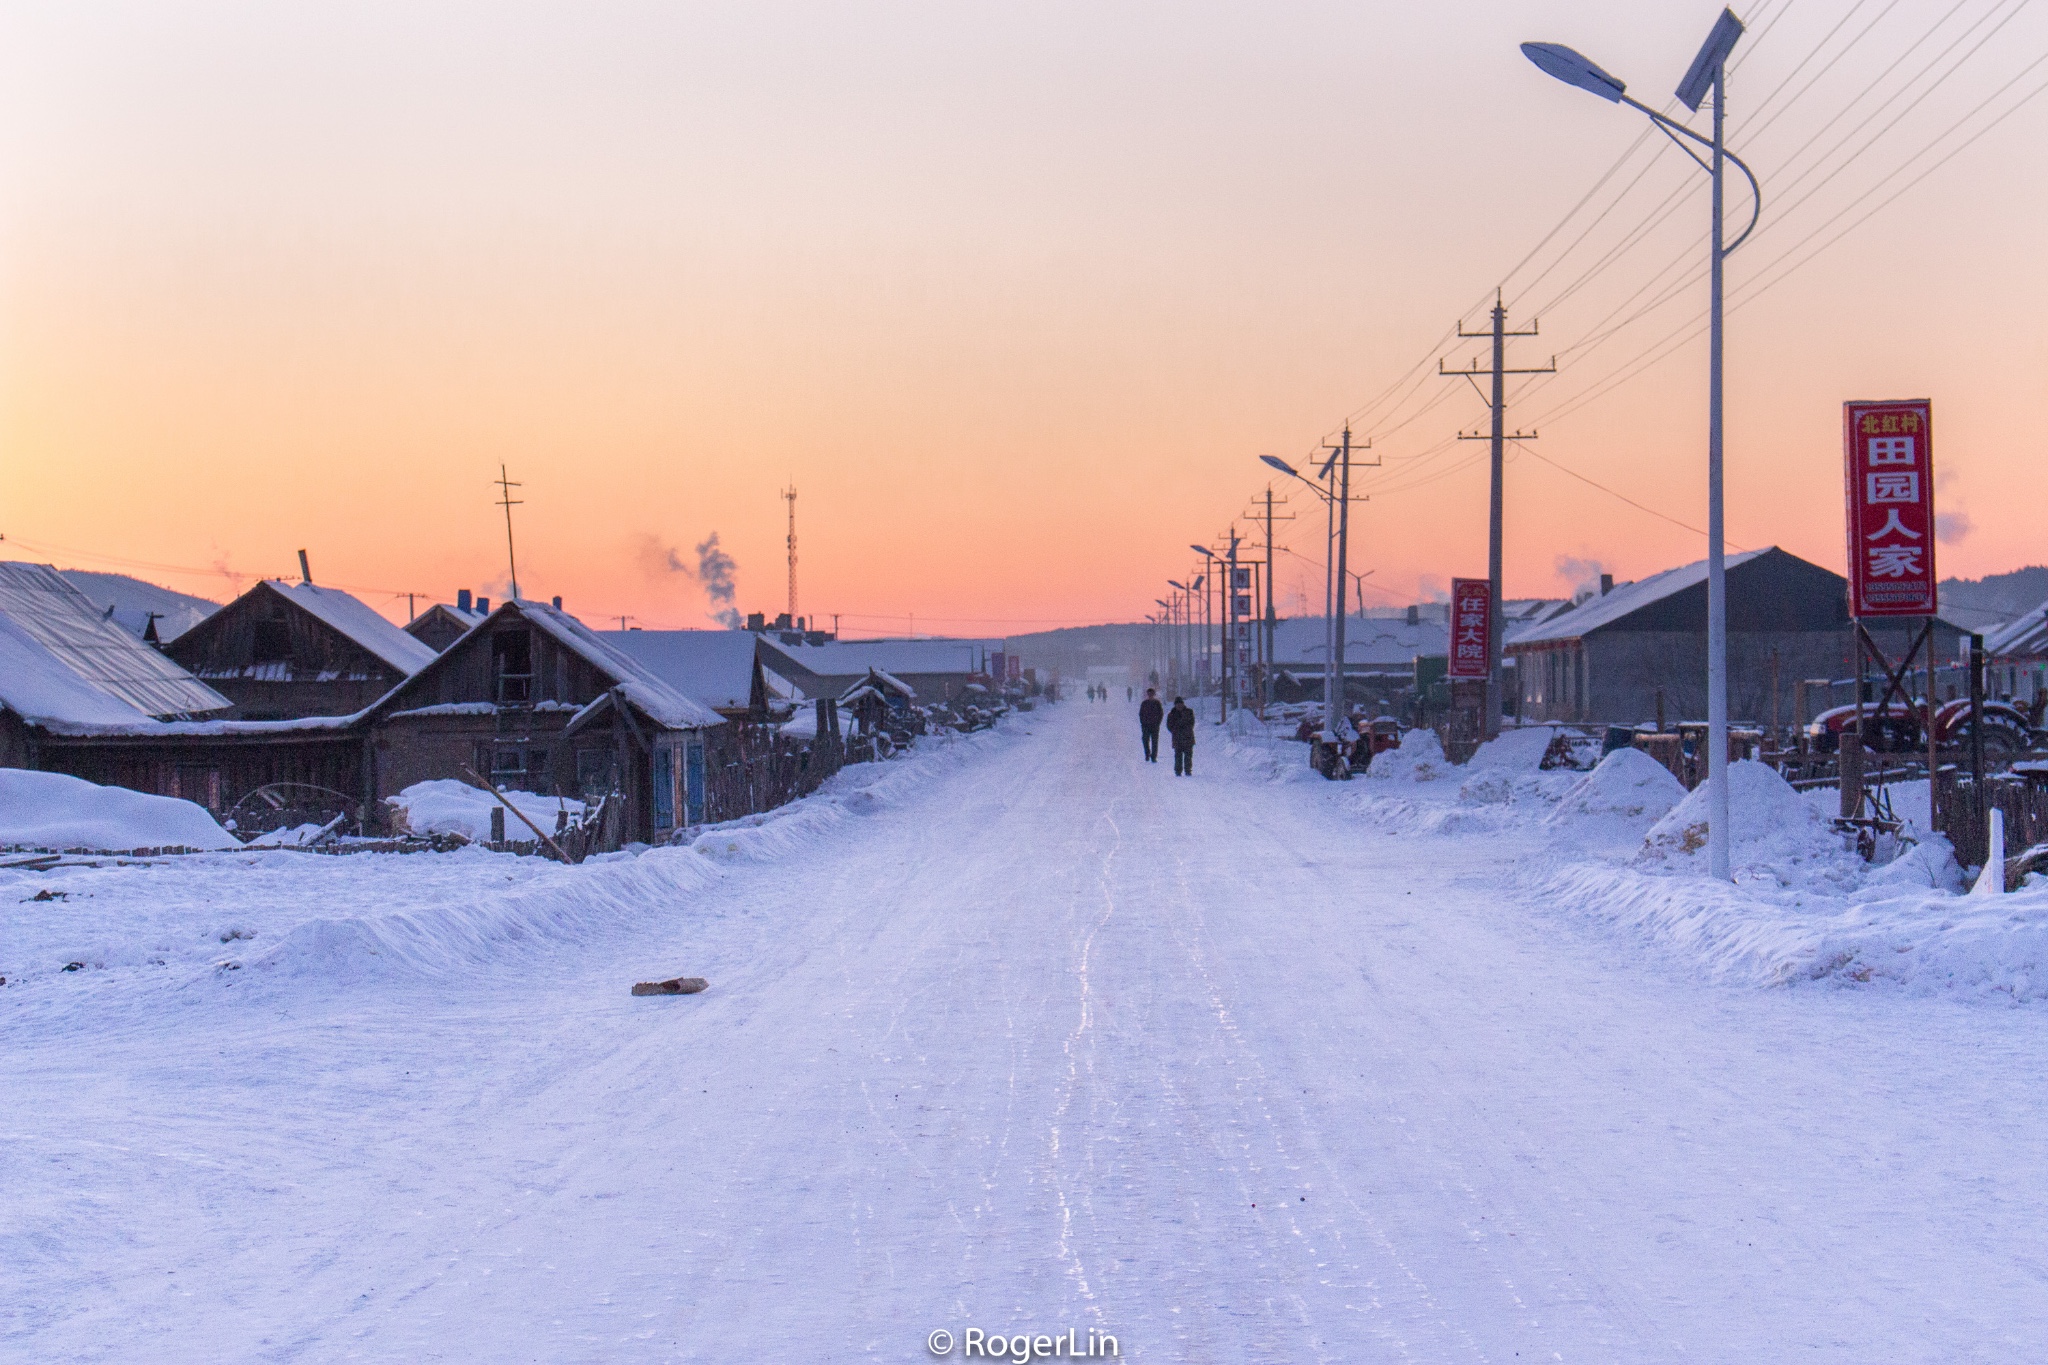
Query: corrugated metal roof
(853, 658)
(1624, 600)
(43, 605)
(37, 686)
(2025, 637)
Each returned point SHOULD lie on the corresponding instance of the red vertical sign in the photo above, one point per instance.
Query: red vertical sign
(1888, 469)
(1471, 627)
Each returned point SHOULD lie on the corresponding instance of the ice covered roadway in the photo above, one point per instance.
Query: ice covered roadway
(1044, 1038)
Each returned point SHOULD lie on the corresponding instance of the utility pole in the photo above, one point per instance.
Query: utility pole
(1498, 436)
(1267, 633)
(789, 495)
(508, 502)
(1333, 701)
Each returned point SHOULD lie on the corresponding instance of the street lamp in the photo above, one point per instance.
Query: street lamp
(1165, 639)
(1707, 75)
(1330, 661)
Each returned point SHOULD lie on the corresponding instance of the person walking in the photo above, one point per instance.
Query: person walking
(1150, 713)
(1180, 723)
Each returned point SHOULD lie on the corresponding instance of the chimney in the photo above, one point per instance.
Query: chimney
(305, 569)
(1606, 584)
(558, 603)
(1414, 615)
(462, 600)
(483, 606)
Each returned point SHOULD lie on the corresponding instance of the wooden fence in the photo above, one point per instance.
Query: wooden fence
(1965, 808)
(753, 768)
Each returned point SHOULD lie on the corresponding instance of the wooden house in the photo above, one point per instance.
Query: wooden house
(286, 650)
(539, 702)
(442, 624)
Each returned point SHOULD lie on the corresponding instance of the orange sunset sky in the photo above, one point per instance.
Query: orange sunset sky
(1015, 293)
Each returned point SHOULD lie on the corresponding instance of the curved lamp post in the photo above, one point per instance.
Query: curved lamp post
(1329, 597)
(1708, 75)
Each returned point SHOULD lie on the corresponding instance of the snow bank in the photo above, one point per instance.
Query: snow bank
(1774, 831)
(447, 806)
(1907, 928)
(254, 917)
(1519, 750)
(52, 810)
(1620, 799)
(1419, 759)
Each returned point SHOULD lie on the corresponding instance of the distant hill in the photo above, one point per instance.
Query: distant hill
(133, 600)
(1981, 603)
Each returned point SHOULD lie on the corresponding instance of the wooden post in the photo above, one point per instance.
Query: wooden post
(498, 823)
(1774, 696)
(1933, 736)
(1849, 762)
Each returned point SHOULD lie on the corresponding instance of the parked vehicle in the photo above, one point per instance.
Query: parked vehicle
(1898, 727)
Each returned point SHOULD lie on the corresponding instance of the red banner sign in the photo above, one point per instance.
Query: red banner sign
(1471, 627)
(1888, 469)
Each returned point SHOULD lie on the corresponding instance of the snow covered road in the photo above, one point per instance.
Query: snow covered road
(1049, 1039)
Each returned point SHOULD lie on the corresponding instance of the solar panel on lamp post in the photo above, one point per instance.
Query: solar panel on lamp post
(1707, 76)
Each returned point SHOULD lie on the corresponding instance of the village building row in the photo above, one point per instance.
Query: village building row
(683, 725)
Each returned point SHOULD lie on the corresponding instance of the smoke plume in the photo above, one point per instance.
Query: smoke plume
(715, 569)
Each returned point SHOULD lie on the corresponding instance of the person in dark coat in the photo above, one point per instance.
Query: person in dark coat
(1180, 723)
(1150, 713)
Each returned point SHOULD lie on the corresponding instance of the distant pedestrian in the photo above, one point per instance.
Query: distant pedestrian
(1180, 723)
(1150, 713)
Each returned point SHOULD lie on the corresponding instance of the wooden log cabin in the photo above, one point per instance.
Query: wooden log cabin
(541, 703)
(286, 650)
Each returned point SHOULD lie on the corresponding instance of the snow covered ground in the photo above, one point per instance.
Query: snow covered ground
(1019, 1034)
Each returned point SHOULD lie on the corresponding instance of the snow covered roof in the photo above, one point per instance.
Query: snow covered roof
(37, 686)
(1625, 600)
(46, 608)
(853, 658)
(2026, 636)
(1374, 641)
(715, 667)
(362, 624)
(878, 682)
(642, 686)
(133, 600)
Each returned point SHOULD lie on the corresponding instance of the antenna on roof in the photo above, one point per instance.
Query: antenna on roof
(508, 502)
(789, 495)
(305, 570)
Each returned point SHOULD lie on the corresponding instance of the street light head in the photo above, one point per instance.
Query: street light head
(1198, 549)
(1699, 79)
(1555, 59)
(1182, 586)
(1279, 464)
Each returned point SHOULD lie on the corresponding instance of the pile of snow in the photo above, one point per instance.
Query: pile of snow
(1419, 759)
(1773, 829)
(446, 806)
(54, 811)
(1622, 798)
(1517, 751)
